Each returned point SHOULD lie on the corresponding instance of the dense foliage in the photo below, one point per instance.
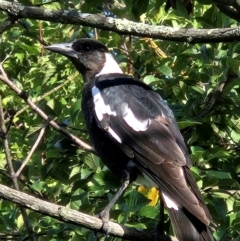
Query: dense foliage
(200, 82)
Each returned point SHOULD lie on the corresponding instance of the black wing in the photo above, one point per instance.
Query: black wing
(143, 126)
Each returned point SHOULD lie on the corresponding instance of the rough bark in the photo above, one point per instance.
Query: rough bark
(122, 26)
(68, 215)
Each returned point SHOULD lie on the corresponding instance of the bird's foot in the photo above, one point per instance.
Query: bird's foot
(104, 216)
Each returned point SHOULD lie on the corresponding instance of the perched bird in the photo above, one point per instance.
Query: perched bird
(137, 137)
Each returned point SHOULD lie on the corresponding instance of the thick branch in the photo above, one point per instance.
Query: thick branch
(68, 215)
(122, 26)
(7, 24)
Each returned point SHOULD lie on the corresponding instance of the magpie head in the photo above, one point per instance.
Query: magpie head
(90, 57)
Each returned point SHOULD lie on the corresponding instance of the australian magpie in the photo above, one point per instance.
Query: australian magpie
(137, 137)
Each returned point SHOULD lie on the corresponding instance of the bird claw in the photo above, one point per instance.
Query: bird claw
(104, 216)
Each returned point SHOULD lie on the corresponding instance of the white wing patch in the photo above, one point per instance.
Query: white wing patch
(114, 135)
(110, 66)
(132, 121)
(182, 173)
(169, 202)
(100, 107)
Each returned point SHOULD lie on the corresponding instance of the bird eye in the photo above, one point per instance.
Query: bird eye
(86, 47)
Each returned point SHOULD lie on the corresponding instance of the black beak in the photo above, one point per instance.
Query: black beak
(63, 48)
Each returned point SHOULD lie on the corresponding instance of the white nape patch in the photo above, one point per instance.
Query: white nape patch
(169, 202)
(143, 179)
(110, 66)
(114, 135)
(132, 121)
(100, 107)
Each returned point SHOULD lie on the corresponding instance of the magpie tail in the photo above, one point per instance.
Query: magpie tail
(187, 227)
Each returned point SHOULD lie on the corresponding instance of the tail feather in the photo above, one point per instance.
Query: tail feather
(187, 227)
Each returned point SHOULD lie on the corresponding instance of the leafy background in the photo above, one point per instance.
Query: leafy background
(200, 82)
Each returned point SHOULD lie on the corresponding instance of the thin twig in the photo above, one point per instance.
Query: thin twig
(44, 96)
(32, 150)
(23, 95)
(96, 33)
(10, 122)
(7, 23)
(11, 170)
(208, 107)
(217, 94)
(46, 3)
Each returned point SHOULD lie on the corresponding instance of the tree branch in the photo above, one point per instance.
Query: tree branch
(22, 94)
(7, 24)
(216, 95)
(11, 171)
(24, 163)
(68, 215)
(122, 26)
(52, 91)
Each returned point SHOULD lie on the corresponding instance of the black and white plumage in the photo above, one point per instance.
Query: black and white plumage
(137, 137)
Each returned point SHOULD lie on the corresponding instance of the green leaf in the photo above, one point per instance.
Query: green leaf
(149, 79)
(219, 175)
(186, 123)
(149, 212)
(75, 171)
(55, 105)
(75, 109)
(165, 70)
(182, 10)
(38, 185)
(77, 198)
(29, 49)
(32, 130)
(107, 179)
(92, 161)
(198, 89)
(85, 173)
(135, 200)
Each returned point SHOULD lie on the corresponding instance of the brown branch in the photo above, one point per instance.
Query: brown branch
(7, 24)
(32, 150)
(68, 215)
(209, 105)
(22, 94)
(216, 95)
(17, 236)
(11, 171)
(52, 91)
(122, 26)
